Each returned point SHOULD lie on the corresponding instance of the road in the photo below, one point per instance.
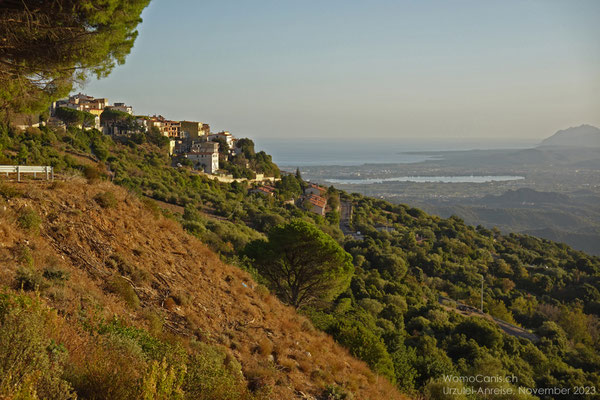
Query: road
(469, 311)
(346, 219)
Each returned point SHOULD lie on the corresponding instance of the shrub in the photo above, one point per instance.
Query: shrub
(136, 274)
(29, 219)
(262, 291)
(439, 389)
(24, 256)
(181, 297)
(155, 321)
(364, 344)
(163, 382)
(91, 173)
(119, 286)
(56, 274)
(110, 370)
(334, 392)
(9, 192)
(28, 278)
(482, 331)
(261, 379)
(106, 199)
(213, 375)
(31, 364)
(152, 207)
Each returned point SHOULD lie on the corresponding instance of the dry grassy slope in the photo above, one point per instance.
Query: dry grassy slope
(219, 303)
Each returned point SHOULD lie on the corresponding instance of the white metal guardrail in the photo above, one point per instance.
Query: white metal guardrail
(27, 169)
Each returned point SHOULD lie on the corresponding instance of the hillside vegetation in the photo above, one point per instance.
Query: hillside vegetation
(104, 297)
(572, 218)
(389, 315)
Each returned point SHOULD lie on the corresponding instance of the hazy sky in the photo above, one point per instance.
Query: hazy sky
(407, 70)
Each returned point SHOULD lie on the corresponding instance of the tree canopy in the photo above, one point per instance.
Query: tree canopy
(303, 264)
(72, 117)
(47, 46)
(247, 147)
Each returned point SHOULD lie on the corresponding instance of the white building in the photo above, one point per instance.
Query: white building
(222, 135)
(205, 155)
(122, 107)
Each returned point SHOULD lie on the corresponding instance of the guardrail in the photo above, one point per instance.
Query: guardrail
(27, 169)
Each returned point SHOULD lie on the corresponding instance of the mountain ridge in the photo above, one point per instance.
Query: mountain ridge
(580, 136)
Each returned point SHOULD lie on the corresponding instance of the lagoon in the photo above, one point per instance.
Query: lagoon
(428, 179)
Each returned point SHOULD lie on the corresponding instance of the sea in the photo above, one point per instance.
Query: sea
(292, 153)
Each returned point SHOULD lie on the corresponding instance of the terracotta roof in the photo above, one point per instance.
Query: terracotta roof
(317, 200)
(264, 189)
(319, 188)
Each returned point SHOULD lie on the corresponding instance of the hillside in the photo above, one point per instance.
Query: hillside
(94, 243)
(581, 136)
(572, 218)
(404, 259)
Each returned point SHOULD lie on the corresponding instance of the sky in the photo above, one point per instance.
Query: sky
(394, 71)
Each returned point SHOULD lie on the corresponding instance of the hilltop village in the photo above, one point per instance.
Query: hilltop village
(220, 156)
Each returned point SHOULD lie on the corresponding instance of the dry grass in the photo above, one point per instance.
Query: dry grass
(182, 288)
(265, 347)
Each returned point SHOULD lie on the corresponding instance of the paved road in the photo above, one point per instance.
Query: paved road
(346, 219)
(468, 311)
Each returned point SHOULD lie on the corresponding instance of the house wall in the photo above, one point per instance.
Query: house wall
(317, 210)
(209, 160)
(194, 129)
(312, 190)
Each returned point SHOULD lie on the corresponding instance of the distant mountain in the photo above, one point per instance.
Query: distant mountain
(581, 136)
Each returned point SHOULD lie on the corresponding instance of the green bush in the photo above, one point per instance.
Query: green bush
(24, 256)
(9, 191)
(31, 364)
(334, 392)
(29, 219)
(213, 375)
(28, 278)
(56, 274)
(163, 382)
(365, 345)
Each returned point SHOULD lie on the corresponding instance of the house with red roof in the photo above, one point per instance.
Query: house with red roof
(315, 189)
(316, 204)
(265, 190)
